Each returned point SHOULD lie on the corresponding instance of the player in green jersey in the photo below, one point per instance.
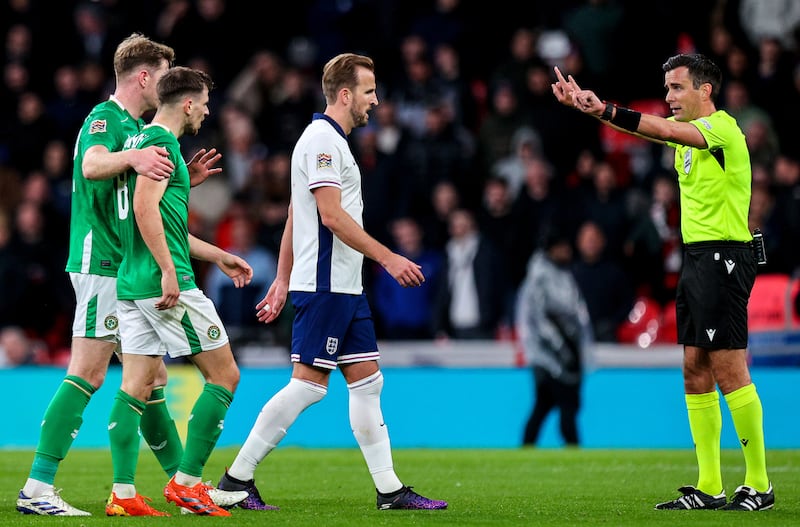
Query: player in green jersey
(93, 261)
(161, 309)
(718, 271)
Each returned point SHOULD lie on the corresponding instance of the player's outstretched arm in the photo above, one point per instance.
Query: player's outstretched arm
(235, 267)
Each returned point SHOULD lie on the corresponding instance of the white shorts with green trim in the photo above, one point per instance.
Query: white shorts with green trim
(188, 328)
(95, 307)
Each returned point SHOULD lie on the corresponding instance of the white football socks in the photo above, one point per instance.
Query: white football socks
(371, 432)
(272, 423)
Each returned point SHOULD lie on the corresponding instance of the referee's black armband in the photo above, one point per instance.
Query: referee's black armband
(626, 119)
(608, 113)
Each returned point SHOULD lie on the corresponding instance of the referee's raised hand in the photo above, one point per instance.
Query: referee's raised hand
(565, 88)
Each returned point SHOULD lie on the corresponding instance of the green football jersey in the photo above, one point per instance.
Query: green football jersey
(94, 246)
(139, 275)
(715, 182)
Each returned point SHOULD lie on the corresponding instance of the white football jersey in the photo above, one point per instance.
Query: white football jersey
(322, 262)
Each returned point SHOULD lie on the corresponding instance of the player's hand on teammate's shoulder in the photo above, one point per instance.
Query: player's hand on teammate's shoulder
(153, 162)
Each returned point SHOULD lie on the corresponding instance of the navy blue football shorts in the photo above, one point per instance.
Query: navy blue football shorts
(331, 329)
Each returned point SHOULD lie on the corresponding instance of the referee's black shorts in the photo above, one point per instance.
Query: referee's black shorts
(713, 291)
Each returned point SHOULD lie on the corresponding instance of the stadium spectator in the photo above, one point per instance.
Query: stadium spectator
(497, 223)
(209, 18)
(652, 249)
(415, 93)
(56, 162)
(773, 71)
(256, 87)
(392, 156)
(711, 299)
(404, 313)
(440, 153)
(66, 106)
(496, 131)
(778, 19)
(294, 103)
(786, 193)
(454, 87)
(554, 328)
(17, 349)
(521, 54)
(604, 285)
(41, 255)
(605, 204)
(435, 217)
(526, 146)
(384, 197)
(535, 206)
(595, 28)
(30, 129)
(472, 292)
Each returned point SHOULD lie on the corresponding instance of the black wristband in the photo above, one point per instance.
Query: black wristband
(608, 113)
(627, 119)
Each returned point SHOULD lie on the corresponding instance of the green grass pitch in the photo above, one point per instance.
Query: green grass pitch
(526, 487)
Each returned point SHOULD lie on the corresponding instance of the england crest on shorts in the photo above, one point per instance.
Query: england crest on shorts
(332, 345)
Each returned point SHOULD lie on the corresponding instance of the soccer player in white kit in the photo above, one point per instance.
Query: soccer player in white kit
(320, 264)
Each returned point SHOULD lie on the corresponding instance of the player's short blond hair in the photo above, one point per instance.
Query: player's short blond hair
(138, 50)
(342, 72)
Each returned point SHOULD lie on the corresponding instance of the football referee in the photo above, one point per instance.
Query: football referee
(718, 272)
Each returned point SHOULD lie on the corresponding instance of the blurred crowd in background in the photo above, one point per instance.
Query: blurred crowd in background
(467, 162)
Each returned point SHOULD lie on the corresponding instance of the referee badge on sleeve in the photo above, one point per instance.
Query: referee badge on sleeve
(687, 161)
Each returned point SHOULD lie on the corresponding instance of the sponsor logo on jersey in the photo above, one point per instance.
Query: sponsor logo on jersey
(214, 332)
(98, 126)
(324, 161)
(111, 323)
